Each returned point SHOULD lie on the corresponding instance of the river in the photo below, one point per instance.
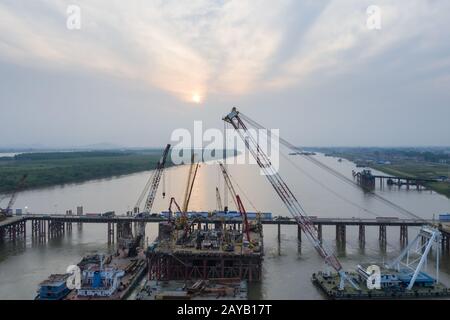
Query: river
(286, 271)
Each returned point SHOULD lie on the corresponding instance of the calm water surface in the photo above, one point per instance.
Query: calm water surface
(286, 271)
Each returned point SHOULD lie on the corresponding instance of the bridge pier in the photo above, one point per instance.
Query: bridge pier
(110, 232)
(362, 235)
(341, 234)
(382, 236)
(445, 242)
(80, 213)
(279, 232)
(55, 228)
(319, 232)
(403, 235)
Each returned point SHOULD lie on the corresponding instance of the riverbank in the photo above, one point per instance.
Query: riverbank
(56, 168)
(414, 162)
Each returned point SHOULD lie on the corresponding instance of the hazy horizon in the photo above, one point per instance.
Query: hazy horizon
(138, 70)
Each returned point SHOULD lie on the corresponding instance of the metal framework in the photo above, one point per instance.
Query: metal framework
(286, 195)
(420, 247)
(155, 181)
(152, 184)
(237, 200)
(188, 266)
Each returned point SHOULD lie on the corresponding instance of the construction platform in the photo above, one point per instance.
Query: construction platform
(206, 251)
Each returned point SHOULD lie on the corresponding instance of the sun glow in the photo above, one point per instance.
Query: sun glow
(196, 98)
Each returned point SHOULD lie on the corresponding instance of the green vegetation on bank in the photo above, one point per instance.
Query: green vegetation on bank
(54, 168)
(414, 162)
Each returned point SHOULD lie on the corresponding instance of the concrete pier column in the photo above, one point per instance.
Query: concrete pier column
(382, 236)
(341, 234)
(279, 232)
(299, 234)
(362, 235)
(110, 232)
(403, 235)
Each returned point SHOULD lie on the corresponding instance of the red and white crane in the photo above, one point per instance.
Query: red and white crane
(286, 195)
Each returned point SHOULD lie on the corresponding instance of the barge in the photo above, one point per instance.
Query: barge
(111, 278)
(393, 286)
(211, 289)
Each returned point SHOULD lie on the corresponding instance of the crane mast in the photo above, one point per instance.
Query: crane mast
(219, 200)
(237, 200)
(286, 195)
(153, 183)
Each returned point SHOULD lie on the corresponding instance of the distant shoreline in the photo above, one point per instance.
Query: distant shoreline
(49, 169)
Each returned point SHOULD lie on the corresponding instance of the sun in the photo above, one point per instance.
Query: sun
(196, 98)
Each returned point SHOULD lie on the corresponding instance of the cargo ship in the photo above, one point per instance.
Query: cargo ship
(103, 277)
(224, 289)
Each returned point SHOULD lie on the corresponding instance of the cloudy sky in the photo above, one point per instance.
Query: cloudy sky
(136, 70)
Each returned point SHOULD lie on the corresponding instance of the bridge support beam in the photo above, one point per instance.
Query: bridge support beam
(362, 235)
(382, 236)
(403, 235)
(341, 234)
(55, 228)
(110, 232)
(445, 242)
(279, 232)
(319, 232)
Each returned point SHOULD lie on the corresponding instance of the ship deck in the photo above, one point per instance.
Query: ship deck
(329, 286)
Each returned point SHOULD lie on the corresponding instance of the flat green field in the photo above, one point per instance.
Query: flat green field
(47, 169)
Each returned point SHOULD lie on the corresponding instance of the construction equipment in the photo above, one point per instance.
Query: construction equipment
(183, 220)
(219, 200)
(237, 200)
(7, 211)
(153, 184)
(286, 195)
(173, 202)
(420, 246)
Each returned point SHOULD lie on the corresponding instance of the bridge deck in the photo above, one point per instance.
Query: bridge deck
(283, 221)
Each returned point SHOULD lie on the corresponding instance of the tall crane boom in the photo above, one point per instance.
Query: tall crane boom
(193, 168)
(236, 199)
(153, 183)
(219, 200)
(286, 194)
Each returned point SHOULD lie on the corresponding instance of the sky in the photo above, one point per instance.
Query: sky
(137, 70)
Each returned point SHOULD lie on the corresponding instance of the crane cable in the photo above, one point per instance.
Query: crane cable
(334, 172)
